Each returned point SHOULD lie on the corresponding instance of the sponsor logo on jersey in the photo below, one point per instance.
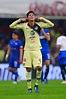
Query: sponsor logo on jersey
(36, 28)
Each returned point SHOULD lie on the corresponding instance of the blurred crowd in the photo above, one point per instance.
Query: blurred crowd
(4, 39)
(52, 46)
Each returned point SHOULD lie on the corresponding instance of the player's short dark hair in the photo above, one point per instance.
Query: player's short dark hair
(29, 13)
(61, 31)
(16, 32)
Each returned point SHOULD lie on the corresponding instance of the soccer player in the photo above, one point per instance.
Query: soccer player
(32, 53)
(45, 53)
(14, 53)
(61, 53)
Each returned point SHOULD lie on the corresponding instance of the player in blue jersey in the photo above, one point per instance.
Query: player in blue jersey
(61, 53)
(15, 55)
(45, 53)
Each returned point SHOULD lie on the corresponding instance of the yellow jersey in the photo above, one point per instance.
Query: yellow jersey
(32, 40)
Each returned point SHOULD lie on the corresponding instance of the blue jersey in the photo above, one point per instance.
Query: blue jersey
(15, 48)
(45, 47)
(43, 40)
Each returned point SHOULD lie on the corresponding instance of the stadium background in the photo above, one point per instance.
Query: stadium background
(10, 10)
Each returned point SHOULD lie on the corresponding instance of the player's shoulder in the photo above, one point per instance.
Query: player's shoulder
(11, 40)
(25, 25)
(19, 40)
(59, 38)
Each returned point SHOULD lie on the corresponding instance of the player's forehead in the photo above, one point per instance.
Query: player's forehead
(31, 14)
(14, 34)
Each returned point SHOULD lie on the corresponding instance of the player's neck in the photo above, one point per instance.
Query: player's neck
(31, 23)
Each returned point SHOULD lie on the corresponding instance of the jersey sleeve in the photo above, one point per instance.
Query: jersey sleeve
(47, 31)
(58, 41)
(46, 23)
(15, 25)
(20, 45)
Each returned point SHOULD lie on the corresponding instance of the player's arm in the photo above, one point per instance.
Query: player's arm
(57, 51)
(21, 51)
(46, 35)
(46, 23)
(24, 20)
(8, 52)
(21, 54)
(58, 46)
(16, 24)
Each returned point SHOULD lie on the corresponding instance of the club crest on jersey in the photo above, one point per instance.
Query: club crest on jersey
(32, 32)
(15, 43)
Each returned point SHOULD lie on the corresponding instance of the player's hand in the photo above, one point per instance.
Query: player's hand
(23, 19)
(37, 19)
(6, 59)
(20, 60)
(55, 55)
